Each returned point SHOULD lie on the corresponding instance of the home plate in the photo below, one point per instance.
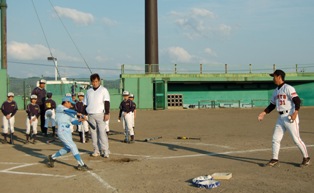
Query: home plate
(222, 176)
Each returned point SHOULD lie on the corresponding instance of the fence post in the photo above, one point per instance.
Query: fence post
(274, 67)
(226, 68)
(296, 68)
(250, 68)
(201, 68)
(175, 68)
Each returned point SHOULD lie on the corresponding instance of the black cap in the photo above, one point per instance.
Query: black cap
(278, 73)
(49, 94)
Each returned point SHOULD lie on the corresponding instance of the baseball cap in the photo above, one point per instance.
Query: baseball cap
(33, 96)
(69, 99)
(10, 94)
(42, 81)
(49, 94)
(125, 93)
(68, 94)
(131, 95)
(80, 94)
(278, 73)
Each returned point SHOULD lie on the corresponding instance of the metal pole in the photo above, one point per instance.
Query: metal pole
(226, 68)
(201, 68)
(274, 67)
(151, 36)
(250, 68)
(3, 6)
(56, 68)
(296, 68)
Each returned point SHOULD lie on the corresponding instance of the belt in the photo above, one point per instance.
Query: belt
(283, 112)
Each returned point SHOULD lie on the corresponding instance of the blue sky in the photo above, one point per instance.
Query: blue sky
(109, 33)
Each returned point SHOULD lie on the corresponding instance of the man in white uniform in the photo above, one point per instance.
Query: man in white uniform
(97, 103)
(287, 102)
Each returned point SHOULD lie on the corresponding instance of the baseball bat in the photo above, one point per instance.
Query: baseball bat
(183, 137)
(153, 138)
(91, 125)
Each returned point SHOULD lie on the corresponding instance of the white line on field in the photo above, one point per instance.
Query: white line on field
(200, 144)
(224, 153)
(9, 170)
(103, 182)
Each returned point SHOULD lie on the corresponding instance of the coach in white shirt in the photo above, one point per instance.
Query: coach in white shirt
(97, 101)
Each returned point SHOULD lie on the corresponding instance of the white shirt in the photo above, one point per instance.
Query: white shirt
(95, 99)
(282, 98)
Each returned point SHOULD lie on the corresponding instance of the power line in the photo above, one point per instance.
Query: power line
(76, 47)
(42, 29)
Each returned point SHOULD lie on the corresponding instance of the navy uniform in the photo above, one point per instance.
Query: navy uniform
(126, 109)
(50, 114)
(133, 113)
(81, 108)
(33, 112)
(9, 109)
(40, 92)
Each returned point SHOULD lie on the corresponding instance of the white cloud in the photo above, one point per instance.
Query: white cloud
(75, 15)
(25, 51)
(199, 22)
(178, 54)
(210, 52)
(202, 12)
(108, 22)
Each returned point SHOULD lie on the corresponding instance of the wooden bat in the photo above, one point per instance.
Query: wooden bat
(153, 138)
(183, 137)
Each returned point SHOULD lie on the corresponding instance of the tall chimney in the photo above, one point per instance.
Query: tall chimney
(151, 37)
(3, 7)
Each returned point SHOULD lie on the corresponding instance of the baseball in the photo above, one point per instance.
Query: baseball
(290, 119)
(118, 120)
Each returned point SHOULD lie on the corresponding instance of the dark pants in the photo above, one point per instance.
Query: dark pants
(42, 119)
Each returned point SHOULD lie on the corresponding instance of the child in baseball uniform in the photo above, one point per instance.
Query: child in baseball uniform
(133, 113)
(64, 117)
(9, 108)
(81, 108)
(126, 107)
(33, 112)
(50, 115)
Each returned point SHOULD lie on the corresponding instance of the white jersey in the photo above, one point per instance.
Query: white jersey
(282, 98)
(95, 99)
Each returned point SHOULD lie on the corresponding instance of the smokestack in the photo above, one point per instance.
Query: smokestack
(151, 37)
(3, 7)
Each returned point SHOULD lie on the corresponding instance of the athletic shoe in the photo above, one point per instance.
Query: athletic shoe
(26, 142)
(51, 162)
(82, 168)
(305, 162)
(95, 154)
(272, 163)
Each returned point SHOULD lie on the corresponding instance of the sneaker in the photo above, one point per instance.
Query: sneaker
(95, 154)
(272, 163)
(51, 162)
(305, 162)
(106, 155)
(26, 142)
(82, 168)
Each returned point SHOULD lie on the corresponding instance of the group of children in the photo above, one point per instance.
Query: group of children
(9, 109)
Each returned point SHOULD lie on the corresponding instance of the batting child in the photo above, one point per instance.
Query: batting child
(64, 117)
(8, 108)
(83, 128)
(33, 112)
(50, 115)
(126, 107)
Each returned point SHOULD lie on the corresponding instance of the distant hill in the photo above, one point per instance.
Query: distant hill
(21, 85)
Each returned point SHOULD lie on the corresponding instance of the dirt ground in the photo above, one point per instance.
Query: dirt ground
(232, 140)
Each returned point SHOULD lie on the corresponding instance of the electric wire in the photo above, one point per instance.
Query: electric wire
(75, 45)
(45, 36)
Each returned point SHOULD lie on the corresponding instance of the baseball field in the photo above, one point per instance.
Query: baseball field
(231, 140)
